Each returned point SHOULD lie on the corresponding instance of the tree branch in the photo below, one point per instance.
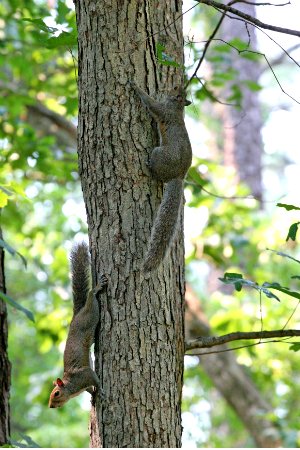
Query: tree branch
(264, 4)
(63, 129)
(211, 341)
(249, 18)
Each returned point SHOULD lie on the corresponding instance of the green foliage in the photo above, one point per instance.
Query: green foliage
(234, 238)
(26, 442)
(12, 251)
(42, 203)
(252, 85)
(16, 305)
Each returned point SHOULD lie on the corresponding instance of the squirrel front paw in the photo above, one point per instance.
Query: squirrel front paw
(101, 285)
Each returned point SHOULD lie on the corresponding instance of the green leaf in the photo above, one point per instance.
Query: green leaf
(159, 49)
(6, 191)
(295, 347)
(39, 24)
(234, 278)
(285, 290)
(293, 231)
(269, 294)
(12, 251)
(65, 39)
(251, 55)
(3, 198)
(204, 93)
(238, 44)
(163, 58)
(238, 281)
(222, 48)
(252, 85)
(16, 305)
(232, 275)
(236, 94)
(62, 11)
(195, 175)
(287, 207)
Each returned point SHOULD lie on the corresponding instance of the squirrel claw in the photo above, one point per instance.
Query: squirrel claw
(101, 285)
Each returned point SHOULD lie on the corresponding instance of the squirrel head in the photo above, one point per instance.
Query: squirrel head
(177, 98)
(59, 395)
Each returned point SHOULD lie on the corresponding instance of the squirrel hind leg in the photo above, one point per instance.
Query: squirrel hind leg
(159, 165)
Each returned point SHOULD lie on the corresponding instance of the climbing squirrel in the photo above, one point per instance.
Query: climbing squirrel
(78, 375)
(168, 163)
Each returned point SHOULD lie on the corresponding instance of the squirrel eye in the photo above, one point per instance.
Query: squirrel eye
(56, 393)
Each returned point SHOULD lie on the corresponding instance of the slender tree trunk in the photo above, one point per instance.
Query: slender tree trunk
(140, 346)
(243, 149)
(5, 367)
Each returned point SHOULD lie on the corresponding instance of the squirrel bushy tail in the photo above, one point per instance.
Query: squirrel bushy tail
(80, 270)
(165, 224)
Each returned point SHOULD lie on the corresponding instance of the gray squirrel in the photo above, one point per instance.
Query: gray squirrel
(78, 375)
(168, 163)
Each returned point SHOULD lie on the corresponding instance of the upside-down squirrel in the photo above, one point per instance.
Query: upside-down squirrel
(78, 375)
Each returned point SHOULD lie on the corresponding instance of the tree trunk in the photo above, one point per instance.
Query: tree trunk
(5, 367)
(140, 346)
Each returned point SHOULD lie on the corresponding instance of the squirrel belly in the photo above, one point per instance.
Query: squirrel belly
(164, 224)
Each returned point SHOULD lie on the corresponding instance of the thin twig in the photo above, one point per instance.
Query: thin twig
(295, 309)
(233, 197)
(278, 60)
(205, 49)
(246, 50)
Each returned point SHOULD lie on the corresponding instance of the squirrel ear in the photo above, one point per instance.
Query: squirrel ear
(59, 382)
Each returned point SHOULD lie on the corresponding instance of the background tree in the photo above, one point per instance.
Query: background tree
(4, 361)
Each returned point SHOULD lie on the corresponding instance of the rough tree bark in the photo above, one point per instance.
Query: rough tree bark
(140, 346)
(5, 367)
